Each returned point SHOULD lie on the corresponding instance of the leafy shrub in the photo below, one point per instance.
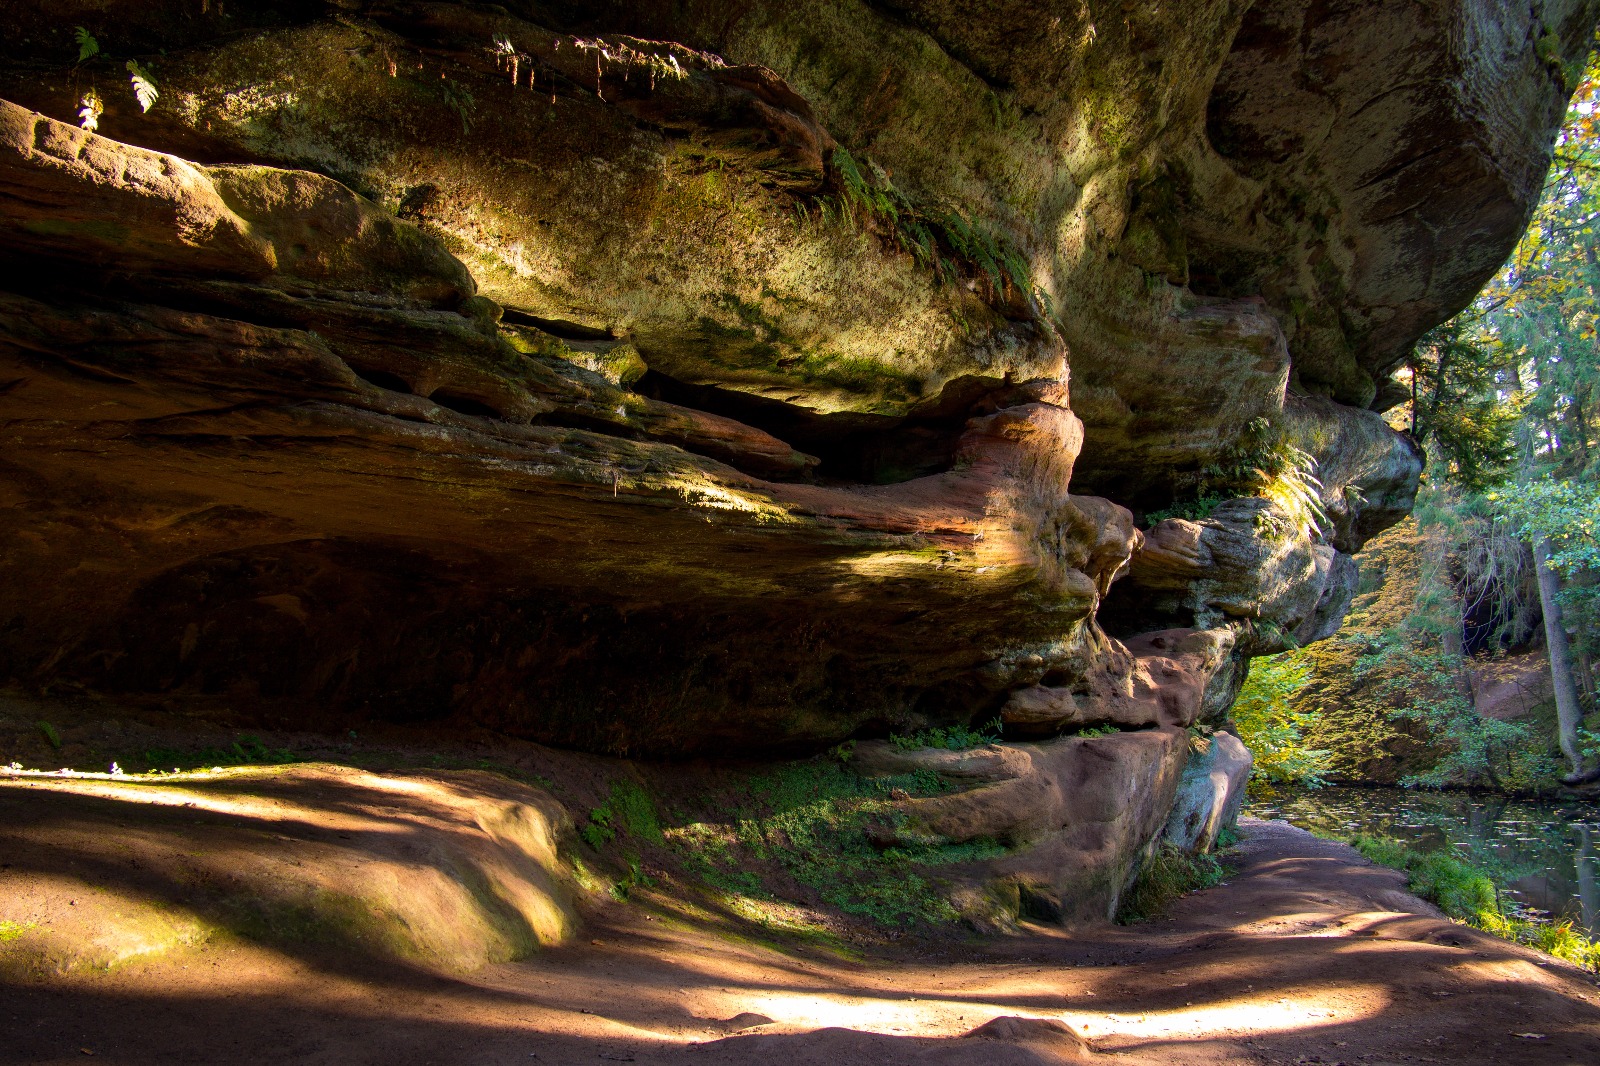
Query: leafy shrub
(1567, 515)
(1261, 462)
(1194, 510)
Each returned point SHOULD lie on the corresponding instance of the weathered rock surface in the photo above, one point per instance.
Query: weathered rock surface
(1158, 679)
(1078, 812)
(1210, 793)
(659, 378)
(448, 869)
(1223, 568)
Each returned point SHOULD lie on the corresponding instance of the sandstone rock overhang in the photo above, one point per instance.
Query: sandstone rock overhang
(641, 379)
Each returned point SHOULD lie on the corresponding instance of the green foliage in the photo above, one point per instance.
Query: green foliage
(1566, 514)
(1425, 683)
(1460, 412)
(1168, 873)
(1589, 744)
(144, 86)
(1562, 511)
(247, 750)
(811, 824)
(1466, 891)
(633, 878)
(49, 733)
(951, 738)
(88, 47)
(1416, 668)
(459, 99)
(1262, 462)
(628, 810)
(140, 80)
(1399, 658)
(1458, 887)
(1385, 851)
(1273, 727)
(1561, 939)
(1193, 510)
(1288, 480)
(939, 240)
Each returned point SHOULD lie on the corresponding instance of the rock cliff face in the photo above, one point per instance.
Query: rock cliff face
(687, 378)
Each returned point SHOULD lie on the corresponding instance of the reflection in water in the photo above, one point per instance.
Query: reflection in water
(1547, 854)
(1588, 875)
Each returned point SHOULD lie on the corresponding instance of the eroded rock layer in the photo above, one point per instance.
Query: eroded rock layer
(671, 378)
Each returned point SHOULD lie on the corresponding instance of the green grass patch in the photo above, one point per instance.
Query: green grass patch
(1168, 873)
(1465, 891)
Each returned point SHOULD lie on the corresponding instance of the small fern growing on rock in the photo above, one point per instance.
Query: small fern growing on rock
(1291, 485)
(144, 86)
(91, 106)
(88, 47)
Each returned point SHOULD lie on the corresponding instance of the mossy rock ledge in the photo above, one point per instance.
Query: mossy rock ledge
(671, 379)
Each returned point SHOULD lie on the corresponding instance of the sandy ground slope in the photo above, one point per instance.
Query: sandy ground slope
(1308, 955)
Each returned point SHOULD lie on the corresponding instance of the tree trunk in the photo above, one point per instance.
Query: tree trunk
(1568, 712)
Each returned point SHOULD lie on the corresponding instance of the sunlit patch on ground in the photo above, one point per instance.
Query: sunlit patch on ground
(1245, 1016)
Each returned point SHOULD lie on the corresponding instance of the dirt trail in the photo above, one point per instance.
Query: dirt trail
(1307, 955)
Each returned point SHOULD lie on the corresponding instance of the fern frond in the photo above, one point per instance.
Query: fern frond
(144, 87)
(88, 47)
(1295, 491)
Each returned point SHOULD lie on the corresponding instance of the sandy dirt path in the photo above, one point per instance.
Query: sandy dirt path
(1307, 955)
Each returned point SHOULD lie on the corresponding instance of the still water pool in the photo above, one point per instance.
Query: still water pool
(1544, 853)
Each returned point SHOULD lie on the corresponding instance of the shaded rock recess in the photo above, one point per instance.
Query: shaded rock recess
(673, 379)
